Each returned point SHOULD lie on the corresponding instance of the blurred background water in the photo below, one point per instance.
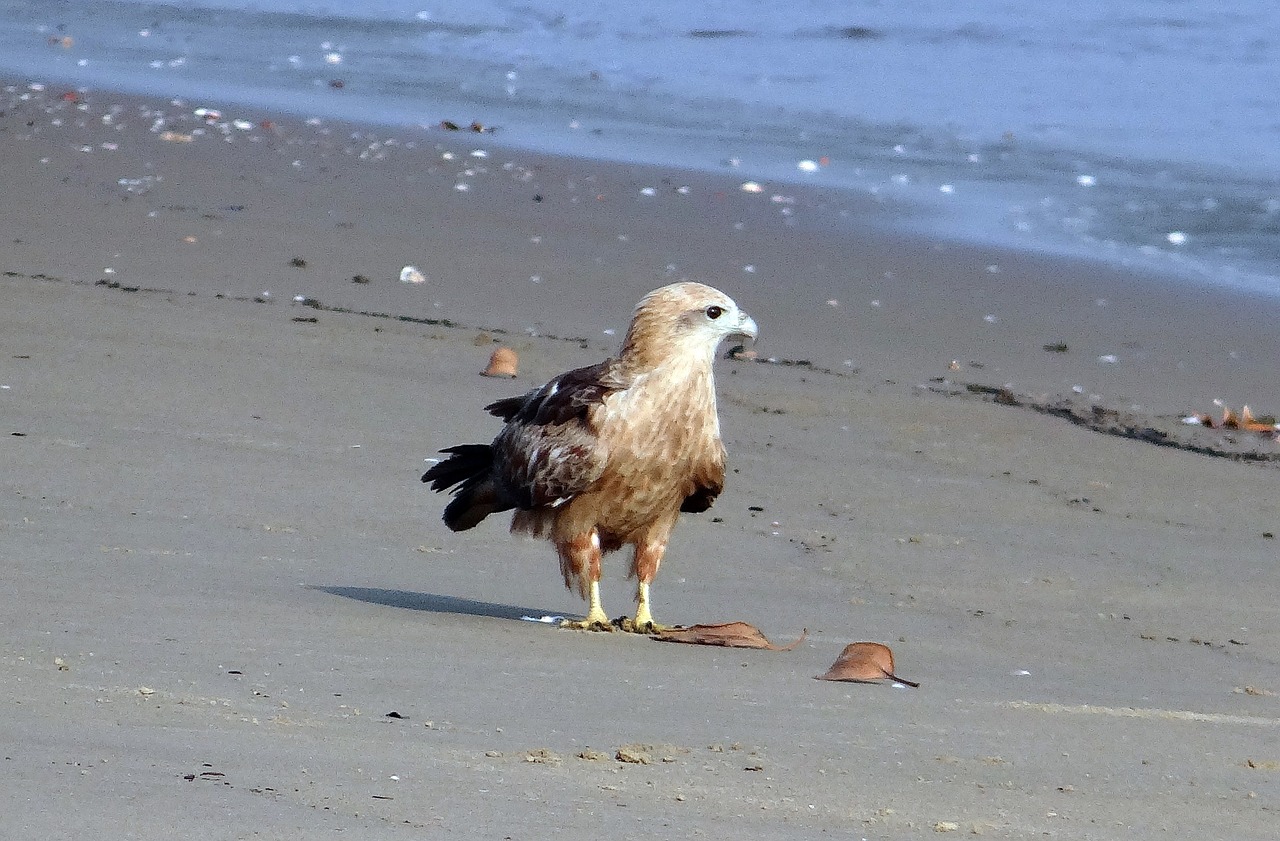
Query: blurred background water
(1140, 131)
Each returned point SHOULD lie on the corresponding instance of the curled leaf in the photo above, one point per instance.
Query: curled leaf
(730, 634)
(863, 662)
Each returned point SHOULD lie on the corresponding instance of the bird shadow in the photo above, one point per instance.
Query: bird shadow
(435, 603)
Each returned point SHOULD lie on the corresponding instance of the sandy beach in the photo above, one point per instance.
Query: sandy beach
(231, 609)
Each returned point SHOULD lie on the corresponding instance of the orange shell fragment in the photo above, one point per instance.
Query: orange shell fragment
(1245, 420)
(503, 362)
(1251, 423)
(864, 662)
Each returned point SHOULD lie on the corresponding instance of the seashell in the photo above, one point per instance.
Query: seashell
(1254, 424)
(503, 362)
(862, 662)
(411, 274)
(1245, 420)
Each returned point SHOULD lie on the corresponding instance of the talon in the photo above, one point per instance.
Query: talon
(647, 628)
(588, 624)
(643, 622)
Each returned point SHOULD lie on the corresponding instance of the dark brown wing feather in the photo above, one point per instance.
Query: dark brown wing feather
(549, 450)
(508, 407)
(565, 398)
(702, 498)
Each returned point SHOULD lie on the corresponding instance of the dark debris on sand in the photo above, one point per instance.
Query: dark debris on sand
(1160, 430)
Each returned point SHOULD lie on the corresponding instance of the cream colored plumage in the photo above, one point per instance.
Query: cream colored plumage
(609, 455)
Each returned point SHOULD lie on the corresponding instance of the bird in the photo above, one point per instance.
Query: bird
(609, 455)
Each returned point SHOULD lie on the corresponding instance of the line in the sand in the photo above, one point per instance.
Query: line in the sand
(1143, 712)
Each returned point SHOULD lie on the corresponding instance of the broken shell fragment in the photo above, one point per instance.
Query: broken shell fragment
(1255, 424)
(411, 274)
(503, 362)
(864, 662)
(1245, 420)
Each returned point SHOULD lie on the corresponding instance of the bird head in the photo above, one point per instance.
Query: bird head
(684, 319)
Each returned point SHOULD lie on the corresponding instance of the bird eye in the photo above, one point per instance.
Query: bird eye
(714, 312)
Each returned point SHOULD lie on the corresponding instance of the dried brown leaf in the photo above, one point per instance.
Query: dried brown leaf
(863, 662)
(730, 634)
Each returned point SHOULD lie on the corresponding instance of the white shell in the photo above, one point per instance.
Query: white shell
(411, 274)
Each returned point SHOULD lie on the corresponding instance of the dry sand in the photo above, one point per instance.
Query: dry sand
(222, 574)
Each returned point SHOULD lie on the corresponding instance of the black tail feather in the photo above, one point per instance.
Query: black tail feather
(470, 467)
(466, 461)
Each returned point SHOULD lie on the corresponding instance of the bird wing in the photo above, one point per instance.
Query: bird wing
(550, 450)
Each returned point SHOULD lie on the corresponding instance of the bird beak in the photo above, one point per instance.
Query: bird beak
(746, 327)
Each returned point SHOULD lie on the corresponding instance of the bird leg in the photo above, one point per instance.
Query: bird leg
(645, 567)
(596, 619)
(580, 564)
(643, 622)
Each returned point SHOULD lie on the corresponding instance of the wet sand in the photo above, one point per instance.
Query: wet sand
(224, 575)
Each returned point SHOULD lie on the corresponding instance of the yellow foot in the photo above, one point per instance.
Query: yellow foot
(643, 622)
(632, 626)
(594, 621)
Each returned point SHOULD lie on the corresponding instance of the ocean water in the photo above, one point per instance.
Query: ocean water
(1145, 132)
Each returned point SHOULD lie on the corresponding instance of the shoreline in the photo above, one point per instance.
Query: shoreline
(988, 216)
